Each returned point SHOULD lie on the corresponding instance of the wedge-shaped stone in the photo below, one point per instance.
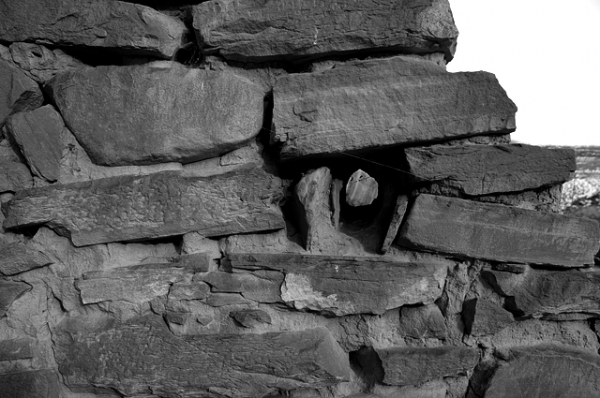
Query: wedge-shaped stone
(541, 292)
(143, 355)
(549, 371)
(280, 29)
(485, 169)
(14, 349)
(349, 285)
(157, 205)
(9, 292)
(482, 317)
(18, 93)
(415, 365)
(158, 112)
(91, 23)
(36, 384)
(499, 233)
(16, 257)
(383, 102)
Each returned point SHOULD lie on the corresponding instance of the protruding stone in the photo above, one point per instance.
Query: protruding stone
(250, 318)
(158, 205)
(486, 169)
(422, 322)
(18, 93)
(260, 286)
(483, 317)
(499, 233)
(41, 63)
(9, 292)
(35, 384)
(259, 31)
(157, 112)
(92, 23)
(361, 189)
(109, 355)
(411, 366)
(38, 135)
(15, 349)
(383, 102)
(16, 257)
(395, 223)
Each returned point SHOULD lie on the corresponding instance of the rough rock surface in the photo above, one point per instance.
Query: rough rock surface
(14, 349)
(383, 102)
(262, 31)
(485, 169)
(16, 257)
(483, 317)
(38, 135)
(9, 292)
(499, 233)
(91, 23)
(36, 384)
(550, 371)
(422, 322)
(18, 93)
(361, 189)
(113, 355)
(158, 205)
(41, 63)
(158, 112)
(14, 176)
(348, 285)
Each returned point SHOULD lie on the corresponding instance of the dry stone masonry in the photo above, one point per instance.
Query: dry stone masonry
(252, 199)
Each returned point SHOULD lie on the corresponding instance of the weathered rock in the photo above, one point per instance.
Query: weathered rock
(431, 389)
(260, 286)
(14, 176)
(255, 31)
(92, 23)
(483, 317)
(189, 291)
(157, 112)
(135, 284)
(35, 384)
(199, 262)
(9, 292)
(16, 257)
(548, 292)
(41, 63)
(395, 223)
(361, 190)
(485, 169)
(550, 371)
(422, 322)
(499, 233)
(158, 205)
(349, 285)
(18, 93)
(144, 355)
(250, 318)
(14, 349)
(410, 366)
(38, 135)
(409, 101)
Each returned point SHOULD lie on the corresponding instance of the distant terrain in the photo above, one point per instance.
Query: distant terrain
(581, 196)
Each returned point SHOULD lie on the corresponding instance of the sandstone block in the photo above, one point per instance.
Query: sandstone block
(18, 93)
(92, 23)
(383, 102)
(348, 285)
(259, 31)
(499, 233)
(260, 286)
(483, 317)
(144, 355)
(157, 112)
(16, 257)
(425, 321)
(9, 292)
(14, 349)
(36, 384)
(41, 63)
(485, 169)
(157, 205)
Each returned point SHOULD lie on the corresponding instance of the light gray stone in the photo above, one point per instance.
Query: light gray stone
(361, 189)
(9, 292)
(395, 222)
(41, 63)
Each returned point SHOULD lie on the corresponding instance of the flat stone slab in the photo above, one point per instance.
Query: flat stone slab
(264, 31)
(16, 257)
(35, 384)
(15, 349)
(18, 93)
(92, 23)
(157, 205)
(41, 63)
(343, 285)
(549, 371)
(485, 169)
(416, 365)
(157, 112)
(542, 292)
(482, 317)
(14, 176)
(144, 355)
(384, 102)
(499, 233)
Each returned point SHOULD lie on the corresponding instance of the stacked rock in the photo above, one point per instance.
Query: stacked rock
(277, 198)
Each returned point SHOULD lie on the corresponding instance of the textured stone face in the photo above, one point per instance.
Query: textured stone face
(18, 93)
(499, 233)
(262, 31)
(158, 112)
(14, 349)
(485, 169)
(378, 103)
(118, 356)
(483, 317)
(158, 205)
(91, 23)
(36, 384)
(15, 257)
(40, 62)
(9, 292)
(549, 371)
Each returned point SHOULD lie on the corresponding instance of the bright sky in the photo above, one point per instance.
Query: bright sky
(546, 55)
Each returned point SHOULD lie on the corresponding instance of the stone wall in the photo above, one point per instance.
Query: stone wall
(276, 198)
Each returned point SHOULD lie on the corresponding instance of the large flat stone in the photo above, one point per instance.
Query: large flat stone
(343, 285)
(549, 371)
(384, 102)
(18, 93)
(485, 169)
(263, 31)
(499, 233)
(92, 23)
(542, 292)
(144, 355)
(157, 205)
(35, 384)
(157, 112)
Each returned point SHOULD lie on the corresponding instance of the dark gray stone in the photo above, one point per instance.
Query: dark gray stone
(16, 257)
(422, 322)
(41, 63)
(250, 318)
(395, 223)
(35, 384)
(483, 317)
(18, 93)
(9, 292)
(14, 349)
